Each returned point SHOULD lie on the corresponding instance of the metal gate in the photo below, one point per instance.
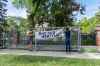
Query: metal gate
(16, 39)
(70, 42)
(55, 44)
(75, 39)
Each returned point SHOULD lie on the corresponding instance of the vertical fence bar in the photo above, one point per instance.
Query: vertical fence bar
(79, 40)
(3, 39)
(75, 38)
(35, 45)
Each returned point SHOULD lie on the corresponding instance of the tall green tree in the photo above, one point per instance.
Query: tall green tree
(31, 7)
(58, 11)
(3, 10)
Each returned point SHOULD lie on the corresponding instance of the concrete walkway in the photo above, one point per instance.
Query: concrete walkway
(51, 53)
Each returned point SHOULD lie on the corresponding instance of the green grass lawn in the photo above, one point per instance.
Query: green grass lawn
(12, 60)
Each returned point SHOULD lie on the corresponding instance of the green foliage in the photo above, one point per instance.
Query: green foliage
(24, 25)
(89, 25)
(21, 23)
(58, 11)
(85, 25)
(3, 10)
(88, 42)
(11, 23)
(13, 60)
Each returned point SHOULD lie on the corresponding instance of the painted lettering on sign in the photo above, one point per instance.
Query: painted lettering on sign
(48, 34)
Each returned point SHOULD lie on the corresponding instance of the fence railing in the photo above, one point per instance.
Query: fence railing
(8, 39)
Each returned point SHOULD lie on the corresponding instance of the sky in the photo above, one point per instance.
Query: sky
(92, 6)
(91, 9)
(12, 11)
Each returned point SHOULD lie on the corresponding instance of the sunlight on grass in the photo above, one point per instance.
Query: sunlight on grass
(12, 60)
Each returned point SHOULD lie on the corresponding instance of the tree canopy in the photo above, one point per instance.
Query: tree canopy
(54, 12)
(20, 23)
(3, 4)
(88, 25)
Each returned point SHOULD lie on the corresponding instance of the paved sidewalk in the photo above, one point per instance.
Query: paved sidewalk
(51, 53)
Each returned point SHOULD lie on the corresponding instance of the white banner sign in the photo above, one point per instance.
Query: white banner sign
(44, 35)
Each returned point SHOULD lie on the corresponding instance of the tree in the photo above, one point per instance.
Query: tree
(88, 25)
(2, 14)
(85, 25)
(31, 6)
(21, 23)
(11, 23)
(2, 18)
(61, 11)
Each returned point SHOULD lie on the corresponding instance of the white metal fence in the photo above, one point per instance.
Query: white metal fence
(54, 44)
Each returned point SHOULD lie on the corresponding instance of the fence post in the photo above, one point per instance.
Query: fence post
(79, 40)
(98, 37)
(35, 45)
